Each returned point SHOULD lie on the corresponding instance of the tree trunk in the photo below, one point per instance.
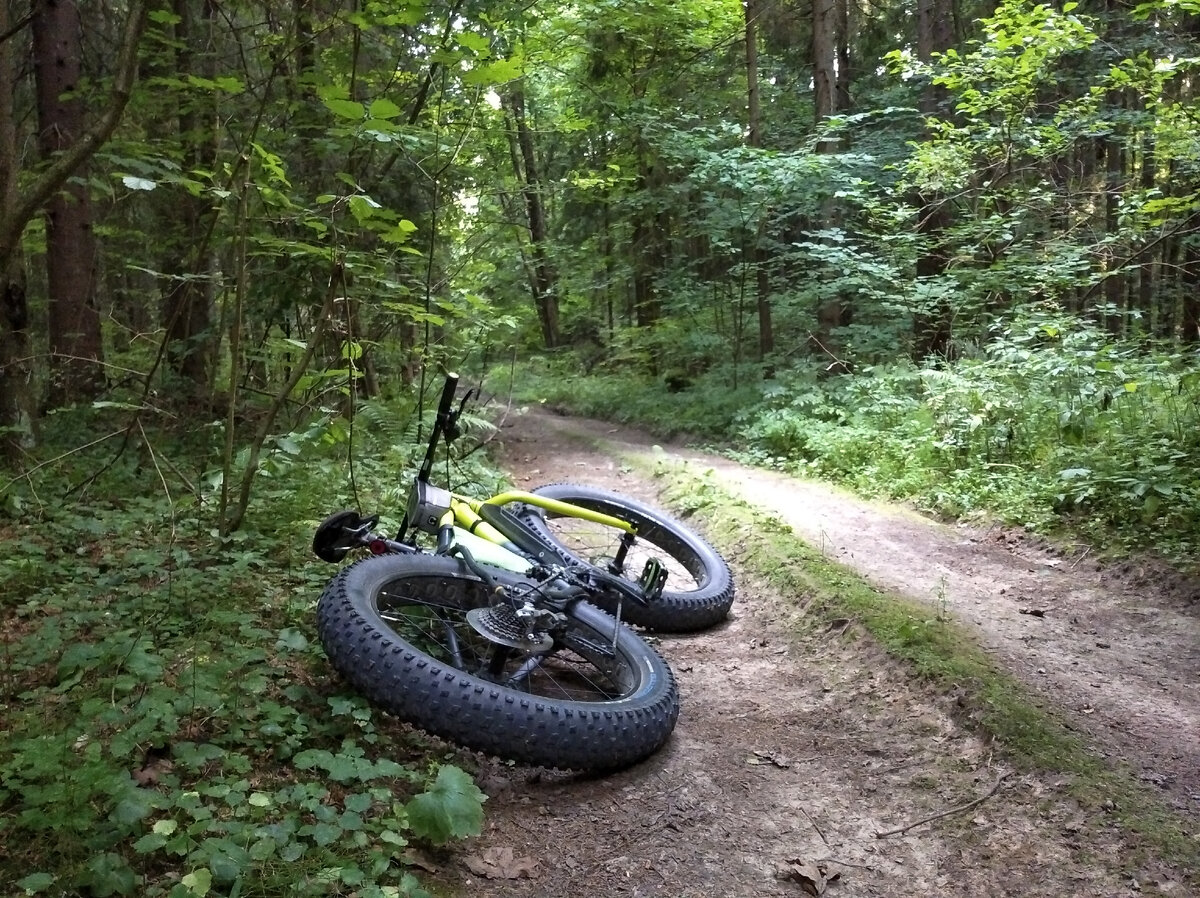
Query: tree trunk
(187, 309)
(650, 229)
(758, 255)
(17, 401)
(843, 74)
(1189, 280)
(75, 345)
(1114, 280)
(19, 207)
(824, 51)
(933, 327)
(544, 279)
(833, 311)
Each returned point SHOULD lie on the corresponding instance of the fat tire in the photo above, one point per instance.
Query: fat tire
(703, 604)
(431, 693)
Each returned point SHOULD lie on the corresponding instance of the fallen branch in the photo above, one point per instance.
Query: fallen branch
(955, 810)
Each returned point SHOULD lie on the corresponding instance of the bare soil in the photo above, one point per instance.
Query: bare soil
(796, 750)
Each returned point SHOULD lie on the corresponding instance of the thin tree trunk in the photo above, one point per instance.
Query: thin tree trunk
(649, 234)
(1189, 280)
(1114, 281)
(842, 78)
(758, 255)
(833, 311)
(544, 280)
(17, 402)
(187, 310)
(933, 328)
(1147, 273)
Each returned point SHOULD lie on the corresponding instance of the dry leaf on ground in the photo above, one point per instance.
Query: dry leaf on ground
(499, 862)
(813, 878)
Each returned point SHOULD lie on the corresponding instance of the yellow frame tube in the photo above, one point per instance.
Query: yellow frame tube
(465, 513)
(563, 508)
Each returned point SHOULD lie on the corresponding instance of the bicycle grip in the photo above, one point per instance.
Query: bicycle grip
(447, 400)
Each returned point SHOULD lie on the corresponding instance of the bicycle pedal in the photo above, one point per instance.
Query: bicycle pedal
(653, 579)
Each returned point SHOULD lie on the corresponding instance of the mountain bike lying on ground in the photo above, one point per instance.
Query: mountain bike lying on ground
(509, 634)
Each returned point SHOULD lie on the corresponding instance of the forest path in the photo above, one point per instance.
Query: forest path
(793, 751)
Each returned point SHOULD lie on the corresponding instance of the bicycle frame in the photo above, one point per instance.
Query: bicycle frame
(481, 527)
(437, 511)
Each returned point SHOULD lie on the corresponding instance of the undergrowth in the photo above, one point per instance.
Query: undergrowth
(171, 725)
(1053, 424)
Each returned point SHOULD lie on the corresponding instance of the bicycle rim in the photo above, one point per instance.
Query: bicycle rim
(430, 614)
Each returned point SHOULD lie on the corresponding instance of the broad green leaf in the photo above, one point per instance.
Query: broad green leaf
(383, 108)
(149, 842)
(348, 109)
(476, 43)
(400, 233)
(135, 183)
(198, 882)
(452, 808)
(362, 207)
(324, 833)
(136, 805)
(500, 71)
(35, 882)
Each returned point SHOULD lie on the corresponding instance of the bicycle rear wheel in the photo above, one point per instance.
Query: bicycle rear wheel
(396, 627)
(699, 588)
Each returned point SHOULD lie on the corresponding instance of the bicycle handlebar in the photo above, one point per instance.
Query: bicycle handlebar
(443, 423)
(447, 401)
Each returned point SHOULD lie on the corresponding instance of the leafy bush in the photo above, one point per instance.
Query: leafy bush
(172, 727)
(1052, 423)
(1055, 422)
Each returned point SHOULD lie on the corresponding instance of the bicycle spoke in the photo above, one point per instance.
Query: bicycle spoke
(601, 546)
(581, 667)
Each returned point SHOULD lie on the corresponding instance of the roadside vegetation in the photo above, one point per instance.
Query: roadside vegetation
(1053, 424)
(171, 726)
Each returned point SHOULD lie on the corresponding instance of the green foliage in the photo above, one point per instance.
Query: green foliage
(1054, 423)
(451, 808)
(676, 403)
(171, 726)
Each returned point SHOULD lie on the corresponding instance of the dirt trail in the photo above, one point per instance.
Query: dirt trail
(793, 752)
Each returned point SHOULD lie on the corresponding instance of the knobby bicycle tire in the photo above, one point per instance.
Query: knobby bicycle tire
(394, 627)
(699, 589)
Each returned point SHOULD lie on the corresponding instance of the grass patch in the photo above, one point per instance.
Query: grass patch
(943, 654)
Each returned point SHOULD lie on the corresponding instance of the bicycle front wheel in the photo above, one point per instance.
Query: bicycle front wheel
(699, 588)
(597, 698)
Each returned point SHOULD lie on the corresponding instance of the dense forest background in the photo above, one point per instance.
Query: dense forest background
(863, 240)
(942, 250)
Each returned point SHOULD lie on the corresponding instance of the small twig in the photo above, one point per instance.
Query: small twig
(1086, 550)
(834, 860)
(955, 810)
(814, 826)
